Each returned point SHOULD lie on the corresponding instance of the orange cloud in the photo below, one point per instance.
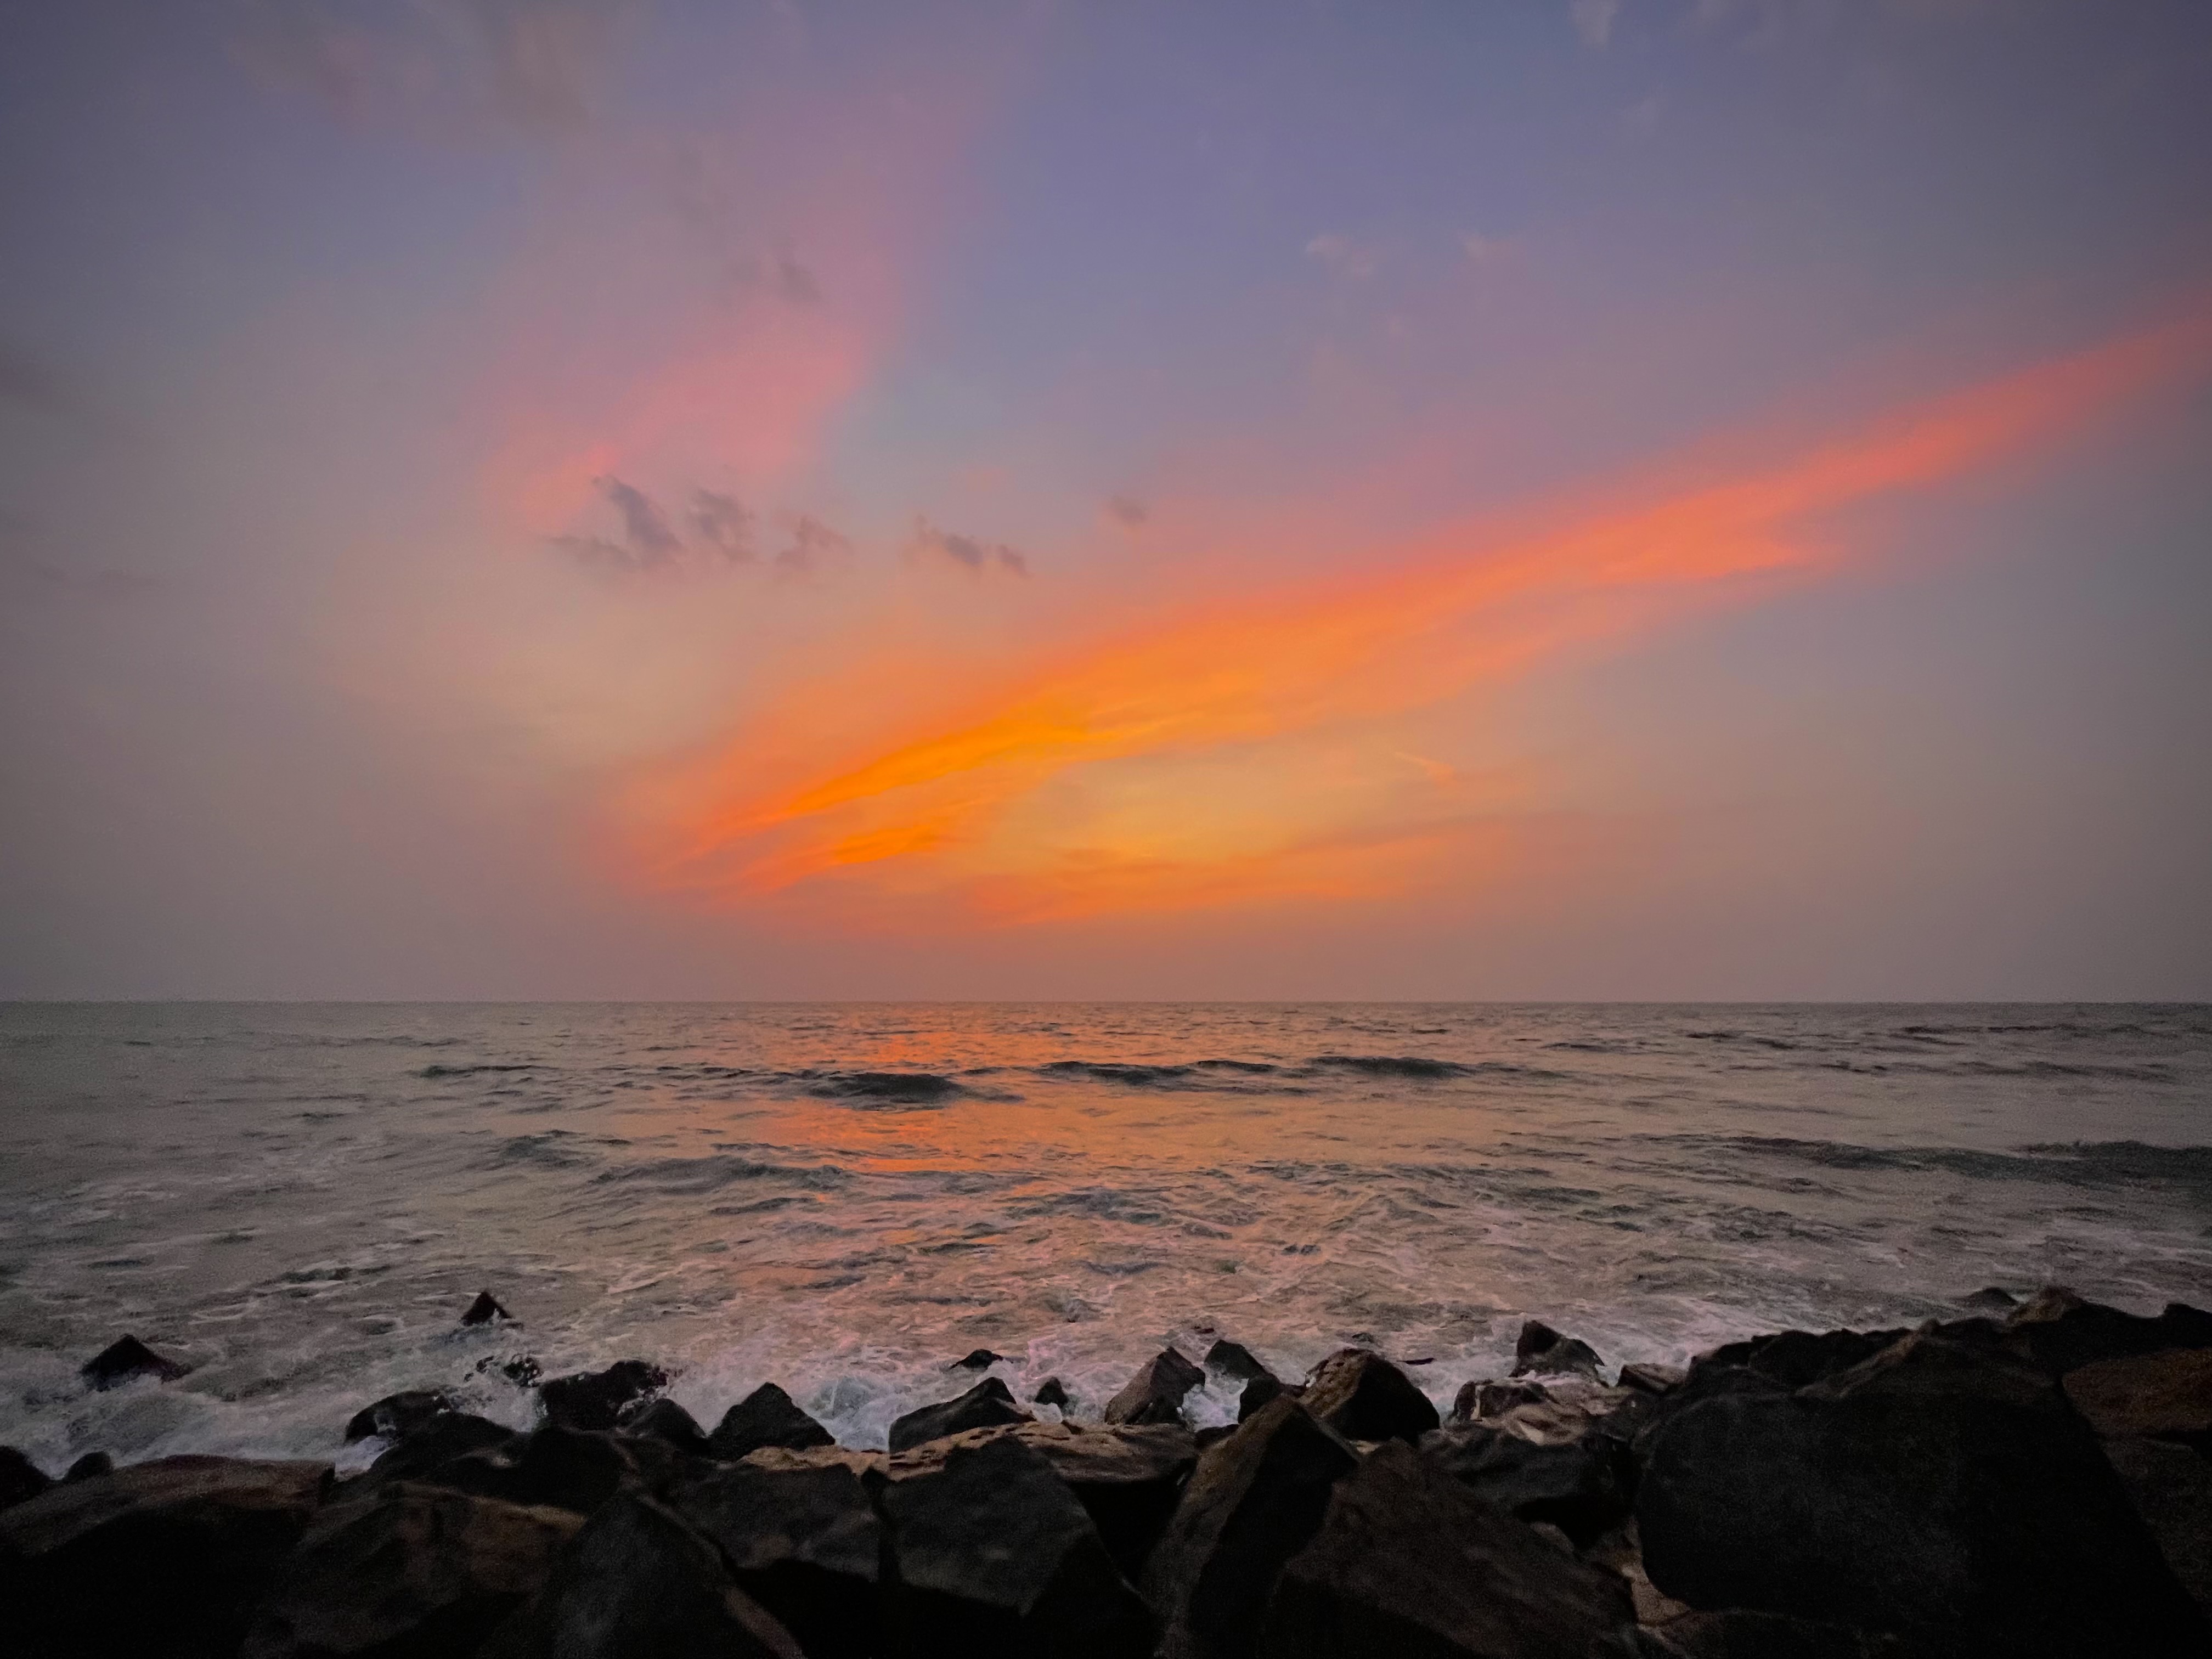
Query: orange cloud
(1203, 761)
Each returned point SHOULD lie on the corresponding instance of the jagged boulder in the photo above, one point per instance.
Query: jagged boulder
(975, 1359)
(1482, 1398)
(162, 1558)
(397, 1415)
(1155, 1393)
(766, 1417)
(1540, 1348)
(995, 1554)
(484, 1310)
(2171, 1488)
(1576, 1486)
(19, 1478)
(1362, 1396)
(805, 1543)
(663, 1419)
(1234, 1360)
(568, 1468)
(1407, 1561)
(2060, 1332)
(1793, 1358)
(1648, 1378)
(597, 1400)
(1051, 1392)
(450, 1435)
(409, 1569)
(989, 1404)
(125, 1360)
(2165, 1396)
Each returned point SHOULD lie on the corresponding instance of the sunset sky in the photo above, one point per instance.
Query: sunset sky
(1532, 499)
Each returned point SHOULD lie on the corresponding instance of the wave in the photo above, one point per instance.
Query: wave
(1197, 1073)
(883, 1088)
(2074, 1164)
(434, 1070)
(1421, 1068)
(707, 1175)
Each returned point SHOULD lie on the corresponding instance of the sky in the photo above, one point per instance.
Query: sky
(1665, 500)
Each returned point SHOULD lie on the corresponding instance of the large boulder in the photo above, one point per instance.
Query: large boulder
(125, 1360)
(2165, 1396)
(1234, 1360)
(666, 1421)
(1937, 1486)
(639, 1582)
(2060, 1332)
(1362, 1396)
(599, 1399)
(987, 1405)
(1407, 1562)
(485, 1310)
(1741, 1633)
(805, 1543)
(1486, 1398)
(1575, 1486)
(2171, 1488)
(1252, 1501)
(437, 1443)
(1540, 1348)
(766, 1417)
(407, 1569)
(566, 1468)
(19, 1478)
(1793, 1358)
(1155, 1393)
(994, 1554)
(397, 1415)
(165, 1558)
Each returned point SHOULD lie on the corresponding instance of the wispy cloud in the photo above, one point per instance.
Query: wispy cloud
(724, 524)
(1128, 511)
(814, 546)
(1593, 20)
(1335, 251)
(969, 554)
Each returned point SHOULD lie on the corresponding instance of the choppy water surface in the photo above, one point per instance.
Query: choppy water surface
(301, 1199)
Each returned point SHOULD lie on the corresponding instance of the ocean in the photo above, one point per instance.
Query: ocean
(299, 1200)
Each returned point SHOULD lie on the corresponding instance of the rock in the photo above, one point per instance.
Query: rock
(1051, 1392)
(1622, 1550)
(1479, 1400)
(1991, 1298)
(1362, 1396)
(2062, 1332)
(1260, 1390)
(597, 1400)
(766, 1417)
(1155, 1393)
(666, 1421)
(126, 1359)
(1540, 1348)
(977, 1359)
(19, 1478)
(1576, 1488)
(1740, 1633)
(639, 1582)
(523, 1371)
(987, 1405)
(1235, 1359)
(2171, 1488)
(484, 1310)
(2163, 1397)
(1938, 1486)
(1793, 1358)
(407, 1569)
(165, 1558)
(445, 1438)
(397, 1415)
(805, 1543)
(1407, 1561)
(1652, 1379)
(90, 1466)
(568, 1468)
(996, 1555)
(1253, 1501)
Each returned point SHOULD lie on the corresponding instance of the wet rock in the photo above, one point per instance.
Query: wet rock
(165, 1558)
(664, 1420)
(397, 1415)
(1652, 1379)
(1253, 1501)
(2171, 1488)
(994, 1554)
(126, 1359)
(766, 1417)
(1262, 1389)
(805, 1543)
(568, 1468)
(409, 1569)
(1479, 1400)
(90, 1466)
(1362, 1396)
(439, 1442)
(1406, 1561)
(597, 1400)
(19, 1478)
(1051, 1392)
(1155, 1393)
(523, 1371)
(987, 1405)
(1235, 1359)
(639, 1583)
(977, 1359)
(1576, 1488)
(485, 1310)
(1793, 1358)
(1540, 1348)
(1937, 1486)
(1991, 1298)
(2163, 1397)
(2060, 1332)
(1740, 1633)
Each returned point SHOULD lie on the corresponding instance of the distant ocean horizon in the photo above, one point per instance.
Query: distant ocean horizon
(298, 1199)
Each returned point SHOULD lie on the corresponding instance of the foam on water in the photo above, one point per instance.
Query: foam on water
(299, 1199)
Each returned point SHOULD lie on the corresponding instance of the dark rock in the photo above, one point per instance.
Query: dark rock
(766, 1417)
(165, 1558)
(523, 1371)
(2062, 1332)
(484, 1310)
(19, 1478)
(90, 1466)
(1155, 1393)
(126, 1359)
(397, 1415)
(2162, 1396)
(406, 1569)
(1253, 1501)
(2171, 1488)
(1476, 1399)
(1793, 1358)
(1051, 1392)
(996, 1555)
(977, 1359)
(805, 1544)
(1212, 1434)
(1261, 1389)
(445, 1438)
(987, 1405)
(1991, 1298)
(663, 1419)
(1362, 1396)
(1235, 1359)
(1937, 1486)
(1540, 1348)
(1740, 1633)
(1652, 1379)
(568, 1468)
(1406, 1562)
(597, 1400)
(1575, 1488)
(639, 1582)
(1127, 1478)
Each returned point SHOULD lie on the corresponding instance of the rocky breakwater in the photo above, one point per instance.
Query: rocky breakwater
(2027, 1482)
